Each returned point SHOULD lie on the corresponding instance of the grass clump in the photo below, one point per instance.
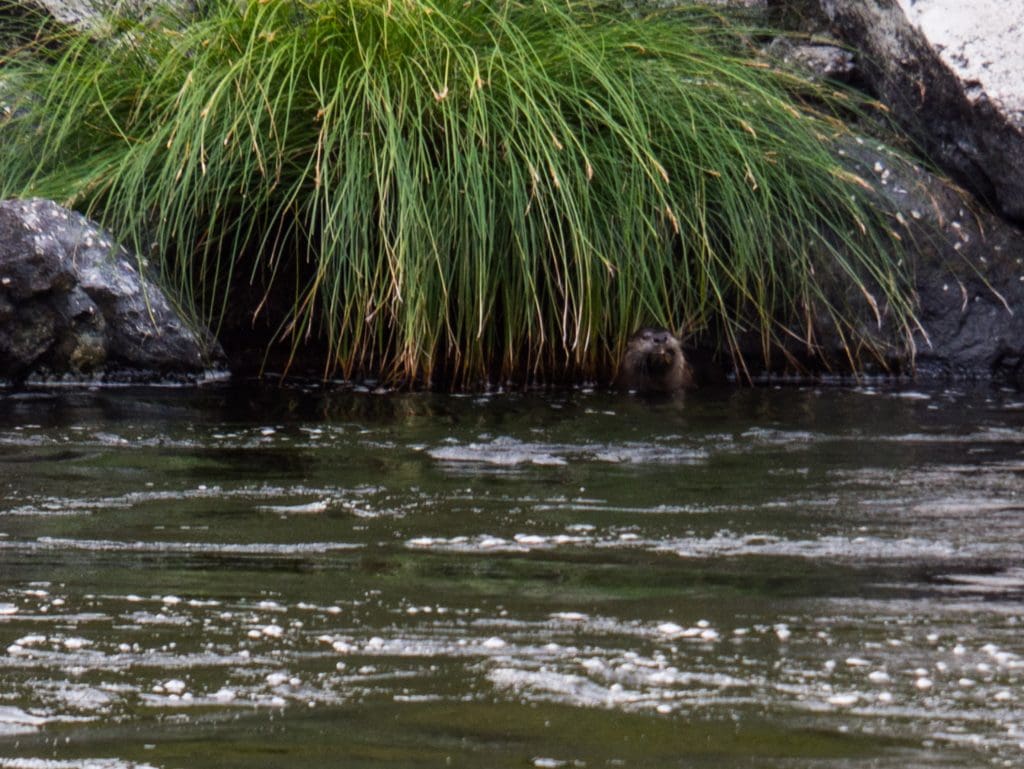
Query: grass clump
(483, 188)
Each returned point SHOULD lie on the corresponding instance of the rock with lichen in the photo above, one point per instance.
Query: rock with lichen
(74, 304)
(950, 73)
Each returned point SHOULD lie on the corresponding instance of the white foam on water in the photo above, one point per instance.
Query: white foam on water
(506, 452)
(828, 547)
(660, 667)
(1005, 581)
(225, 694)
(76, 763)
(144, 618)
(226, 548)
(844, 700)
(309, 508)
(15, 717)
(174, 686)
(33, 639)
(911, 395)
(567, 687)
(500, 452)
(764, 437)
(48, 505)
(734, 545)
(662, 660)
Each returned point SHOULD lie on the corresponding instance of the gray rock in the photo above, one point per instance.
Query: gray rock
(803, 15)
(950, 72)
(72, 303)
(817, 59)
(968, 267)
(90, 14)
(967, 271)
(746, 5)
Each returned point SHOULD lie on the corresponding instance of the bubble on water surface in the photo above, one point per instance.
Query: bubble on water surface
(174, 686)
(309, 508)
(912, 395)
(844, 700)
(225, 694)
(33, 639)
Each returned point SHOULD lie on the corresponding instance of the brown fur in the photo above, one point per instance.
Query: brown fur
(654, 363)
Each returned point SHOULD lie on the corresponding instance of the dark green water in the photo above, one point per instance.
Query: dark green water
(750, 578)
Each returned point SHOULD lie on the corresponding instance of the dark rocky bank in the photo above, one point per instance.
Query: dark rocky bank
(73, 305)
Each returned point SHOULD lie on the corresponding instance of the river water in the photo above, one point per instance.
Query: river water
(789, 577)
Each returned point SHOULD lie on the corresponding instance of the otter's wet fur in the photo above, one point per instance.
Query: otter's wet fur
(654, 363)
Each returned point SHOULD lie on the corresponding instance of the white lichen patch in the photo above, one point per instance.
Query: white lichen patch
(980, 41)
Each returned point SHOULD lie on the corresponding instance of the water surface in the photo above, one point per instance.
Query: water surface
(290, 578)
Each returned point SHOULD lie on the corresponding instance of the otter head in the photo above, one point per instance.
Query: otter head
(654, 362)
(657, 349)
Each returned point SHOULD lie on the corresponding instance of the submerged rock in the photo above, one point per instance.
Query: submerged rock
(72, 303)
(950, 72)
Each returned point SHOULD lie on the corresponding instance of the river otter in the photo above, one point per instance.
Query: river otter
(654, 363)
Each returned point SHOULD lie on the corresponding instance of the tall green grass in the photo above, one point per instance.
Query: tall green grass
(487, 188)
